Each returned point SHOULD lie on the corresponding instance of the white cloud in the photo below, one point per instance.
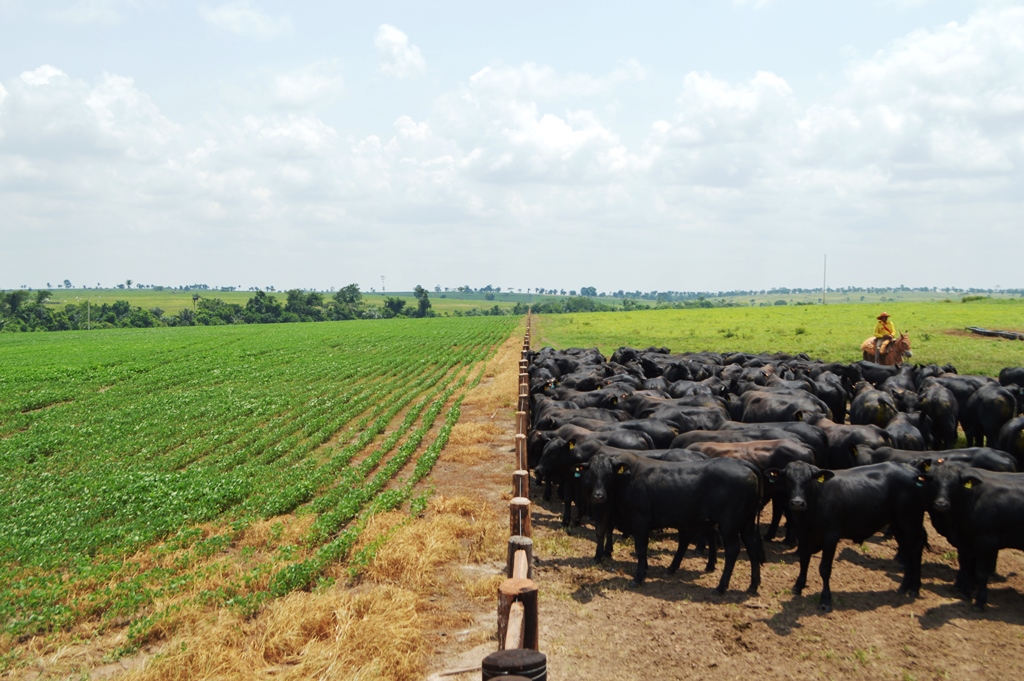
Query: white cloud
(241, 18)
(925, 137)
(534, 81)
(399, 59)
(314, 84)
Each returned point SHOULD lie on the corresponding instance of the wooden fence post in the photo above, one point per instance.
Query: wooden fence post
(525, 592)
(522, 462)
(521, 483)
(519, 517)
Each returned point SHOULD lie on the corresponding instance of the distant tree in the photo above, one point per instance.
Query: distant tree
(393, 306)
(67, 283)
(423, 302)
(48, 285)
(15, 299)
(588, 291)
(128, 282)
(195, 299)
(347, 303)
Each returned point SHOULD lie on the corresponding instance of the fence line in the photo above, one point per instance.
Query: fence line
(518, 626)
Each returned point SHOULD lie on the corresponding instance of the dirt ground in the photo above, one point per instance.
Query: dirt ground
(595, 626)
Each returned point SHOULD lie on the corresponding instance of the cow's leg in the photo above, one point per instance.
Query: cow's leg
(731, 544)
(641, 536)
(755, 553)
(790, 537)
(965, 574)
(804, 552)
(712, 539)
(773, 527)
(985, 566)
(911, 545)
(828, 554)
(684, 543)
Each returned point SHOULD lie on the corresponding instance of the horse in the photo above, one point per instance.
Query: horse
(891, 353)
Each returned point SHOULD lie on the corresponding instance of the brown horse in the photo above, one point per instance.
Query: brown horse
(891, 353)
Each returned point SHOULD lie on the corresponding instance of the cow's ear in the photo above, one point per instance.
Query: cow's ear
(621, 467)
(824, 475)
(971, 480)
(923, 464)
(799, 416)
(572, 444)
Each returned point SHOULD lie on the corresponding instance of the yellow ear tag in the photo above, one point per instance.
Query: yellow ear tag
(572, 445)
(928, 467)
(821, 478)
(969, 484)
(622, 469)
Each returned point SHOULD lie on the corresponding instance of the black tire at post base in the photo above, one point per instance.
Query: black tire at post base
(522, 662)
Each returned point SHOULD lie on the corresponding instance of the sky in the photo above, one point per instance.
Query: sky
(688, 145)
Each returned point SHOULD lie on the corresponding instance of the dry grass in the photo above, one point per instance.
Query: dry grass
(369, 633)
(373, 631)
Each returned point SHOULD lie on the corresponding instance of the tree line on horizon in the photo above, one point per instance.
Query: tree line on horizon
(22, 310)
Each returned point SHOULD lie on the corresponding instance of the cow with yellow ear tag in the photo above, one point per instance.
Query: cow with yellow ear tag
(979, 512)
(826, 506)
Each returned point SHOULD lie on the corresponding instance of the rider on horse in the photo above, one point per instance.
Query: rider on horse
(884, 331)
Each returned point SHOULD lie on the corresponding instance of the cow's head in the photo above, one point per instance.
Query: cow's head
(606, 473)
(801, 482)
(948, 485)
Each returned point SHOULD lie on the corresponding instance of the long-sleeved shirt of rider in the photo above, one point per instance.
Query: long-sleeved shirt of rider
(885, 328)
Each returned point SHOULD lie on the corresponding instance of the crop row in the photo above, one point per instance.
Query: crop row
(152, 435)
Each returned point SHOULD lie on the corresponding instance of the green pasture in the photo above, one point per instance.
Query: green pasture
(173, 301)
(830, 332)
(121, 441)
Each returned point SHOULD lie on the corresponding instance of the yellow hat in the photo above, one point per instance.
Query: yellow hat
(884, 315)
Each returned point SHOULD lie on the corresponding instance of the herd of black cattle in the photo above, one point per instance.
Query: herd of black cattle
(702, 442)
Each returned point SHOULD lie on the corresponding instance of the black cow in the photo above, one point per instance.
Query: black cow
(1012, 376)
(691, 497)
(961, 385)
(871, 406)
(979, 512)
(759, 406)
(985, 413)
(553, 418)
(1011, 440)
(910, 431)
(875, 374)
(765, 455)
(978, 457)
(829, 387)
(939, 404)
(844, 441)
(854, 504)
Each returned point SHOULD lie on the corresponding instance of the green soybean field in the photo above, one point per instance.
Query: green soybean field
(132, 458)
